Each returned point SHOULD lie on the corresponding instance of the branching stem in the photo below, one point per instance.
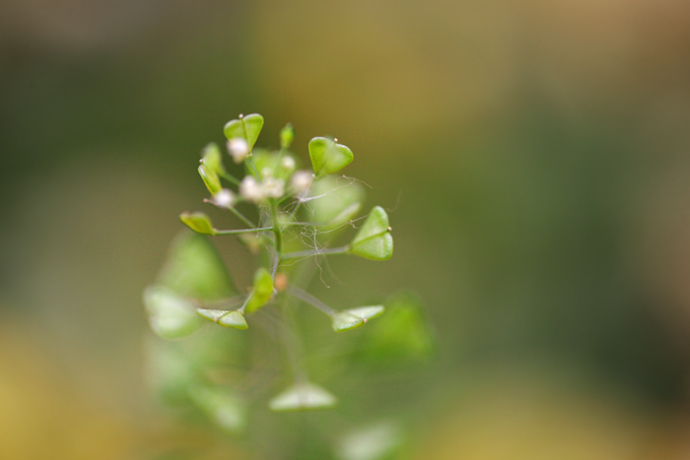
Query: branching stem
(303, 295)
(241, 217)
(277, 231)
(244, 230)
(229, 177)
(315, 252)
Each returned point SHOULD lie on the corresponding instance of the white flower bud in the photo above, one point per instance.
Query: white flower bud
(274, 188)
(266, 173)
(288, 163)
(301, 181)
(238, 149)
(224, 198)
(251, 190)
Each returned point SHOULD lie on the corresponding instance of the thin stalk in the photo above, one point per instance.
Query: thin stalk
(276, 262)
(254, 170)
(311, 300)
(293, 346)
(315, 252)
(285, 198)
(237, 214)
(304, 224)
(230, 178)
(246, 301)
(219, 304)
(241, 217)
(277, 231)
(294, 211)
(244, 230)
(280, 155)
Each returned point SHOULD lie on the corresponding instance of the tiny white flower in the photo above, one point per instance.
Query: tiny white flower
(301, 181)
(266, 173)
(224, 198)
(288, 163)
(251, 190)
(238, 149)
(274, 188)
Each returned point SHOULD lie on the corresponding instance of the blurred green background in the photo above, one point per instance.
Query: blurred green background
(535, 157)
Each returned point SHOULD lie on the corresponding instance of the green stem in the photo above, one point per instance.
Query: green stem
(246, 301)
(244, 230)
(219, 304)
(277, 231)
(311, 300)
(230, 178)
(241, 217)
(233, 210)
(253, 168)
(298, 205)
(280, 156)
(293, 346)
(315, 252)
(304, 224)
(294, 212)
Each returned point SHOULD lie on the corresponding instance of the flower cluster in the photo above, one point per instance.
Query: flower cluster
(298, 213)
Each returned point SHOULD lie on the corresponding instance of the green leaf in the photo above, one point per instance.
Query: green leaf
(225, 318)
(247, 127)
(335, 201)
(262, 290)
(170, 316)
(212, 158)
(402, 336)
(287, 135)
(168, 371)
(355, 317)
(328, 157)
(173, 366)
(210, 178)
(194, 269)
(199, 222)
(305, 396)
(375, 442)
(221, 406)
(374, 241)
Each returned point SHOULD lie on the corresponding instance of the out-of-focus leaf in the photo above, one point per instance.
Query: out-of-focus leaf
(374, 241)
(198, 222)
(212, 159)
(355, 317)
(194, 269)
(327, 156)
(210, 178)
(221, 406)
(169, 372)
(170, 316)
(225, 318)
(334, 201)
(251, 241)
(262, 290)
(173, 366)
(304, 396)
(376, 442)
(247, 127)
(402, 335)
(215, 351)
(287, 135)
